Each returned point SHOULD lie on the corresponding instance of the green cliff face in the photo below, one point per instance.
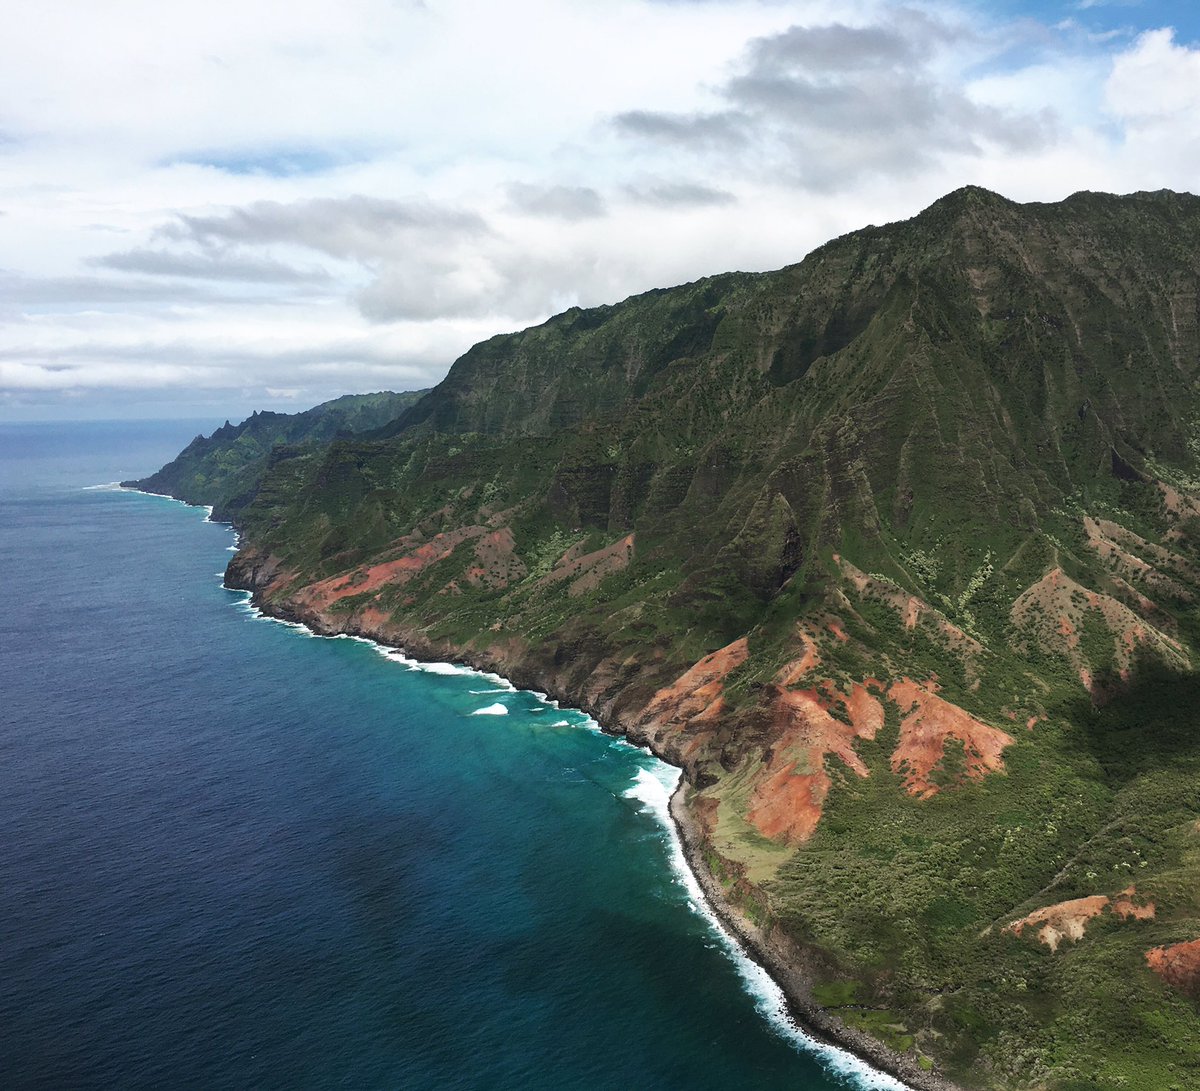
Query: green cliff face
(227, 468)
(897, 552)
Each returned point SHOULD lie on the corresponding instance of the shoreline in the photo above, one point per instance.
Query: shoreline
(782, 962)
(885, 1068)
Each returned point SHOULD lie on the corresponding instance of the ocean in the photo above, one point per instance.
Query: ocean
(234, 855)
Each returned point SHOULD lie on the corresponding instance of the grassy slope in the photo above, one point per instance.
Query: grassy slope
(940, 402)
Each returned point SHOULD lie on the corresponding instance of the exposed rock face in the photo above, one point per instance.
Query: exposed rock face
(1178, 965)
(1068, 920)
(792, 786)
(928, 724)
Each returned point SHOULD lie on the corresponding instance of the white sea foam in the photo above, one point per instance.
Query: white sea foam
(481, 692)
(355, 637)
(160, 495)
(246, 605)
(107, 486)
(492, 710)
(653, 788)
(497, 680)
(393, 655)
(561, 723)
(116, 486)
(444, 668)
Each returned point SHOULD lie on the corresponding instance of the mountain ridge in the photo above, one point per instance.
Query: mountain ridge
(895, 551)
(225, 469)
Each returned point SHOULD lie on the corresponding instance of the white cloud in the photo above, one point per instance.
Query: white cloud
(219, 264)
(1155, 82)
(824, 105)
(234, 197)
(558, 202)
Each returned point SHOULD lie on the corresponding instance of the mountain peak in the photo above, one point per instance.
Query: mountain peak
(967, 198)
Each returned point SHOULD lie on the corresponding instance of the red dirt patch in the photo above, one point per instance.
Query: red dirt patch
(864, 710)
(1178, 965)
(1125, 907)
(1069, 920)
(1176, 503)
(913, 611)
(1066, 920)
(1128, 556)
(398, 571)
(928, 721)
(586, 571)
(498, 565)
(789, 797)
(695, 696)
(809, 660)
(1056, 609)
(371, 617)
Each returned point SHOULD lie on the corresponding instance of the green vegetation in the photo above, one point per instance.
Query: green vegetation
(896, 447)
(226, 469)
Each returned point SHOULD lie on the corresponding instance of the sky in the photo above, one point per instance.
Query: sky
(210, 208)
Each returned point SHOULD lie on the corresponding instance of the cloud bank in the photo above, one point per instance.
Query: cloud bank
(201, 202)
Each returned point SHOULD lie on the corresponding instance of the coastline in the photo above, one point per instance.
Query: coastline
(783, 961)
(780, 960)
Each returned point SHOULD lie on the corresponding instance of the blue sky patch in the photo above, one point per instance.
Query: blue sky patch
(274, 163)
(1108, 16)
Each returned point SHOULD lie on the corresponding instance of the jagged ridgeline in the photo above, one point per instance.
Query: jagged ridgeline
(226, 468)
(896, 551)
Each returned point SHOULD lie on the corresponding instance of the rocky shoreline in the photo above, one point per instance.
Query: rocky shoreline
(783, 960)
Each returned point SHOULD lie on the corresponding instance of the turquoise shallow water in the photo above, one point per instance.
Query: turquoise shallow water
(237, 855)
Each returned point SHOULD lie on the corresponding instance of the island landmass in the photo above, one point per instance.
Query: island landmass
(894, 552)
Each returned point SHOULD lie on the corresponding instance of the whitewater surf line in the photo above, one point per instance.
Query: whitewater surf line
(653, 790)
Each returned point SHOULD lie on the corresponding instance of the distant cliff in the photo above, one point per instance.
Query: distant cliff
(896, 552)
(227, 468)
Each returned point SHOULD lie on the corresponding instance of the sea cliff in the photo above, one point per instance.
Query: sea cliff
(896, 553)
(789, 963)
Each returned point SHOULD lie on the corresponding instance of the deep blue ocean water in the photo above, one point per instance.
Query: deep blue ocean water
(235, 855)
